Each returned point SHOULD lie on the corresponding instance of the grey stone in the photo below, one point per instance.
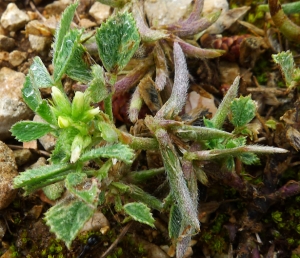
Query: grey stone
(13, 18)
(8, 170)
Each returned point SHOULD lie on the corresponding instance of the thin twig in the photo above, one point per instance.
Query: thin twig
(40, 152)
(119, 238)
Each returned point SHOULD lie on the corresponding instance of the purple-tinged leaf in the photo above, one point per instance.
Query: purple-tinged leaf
(161, 67)
(147, 34)
(198, 52)
(181, 84)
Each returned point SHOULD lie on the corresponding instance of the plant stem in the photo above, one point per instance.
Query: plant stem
(141, 176)
(289, 8)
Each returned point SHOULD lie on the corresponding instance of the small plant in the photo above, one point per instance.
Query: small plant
(85, 133)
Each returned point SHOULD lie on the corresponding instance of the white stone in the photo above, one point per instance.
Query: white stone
(162, 12)
(13, 18)
(12, 106)
(100, 12)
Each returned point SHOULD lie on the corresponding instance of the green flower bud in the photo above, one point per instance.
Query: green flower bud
(90, 114)
(78, 105)
(64, 122)
(61, 101)
(76, 148)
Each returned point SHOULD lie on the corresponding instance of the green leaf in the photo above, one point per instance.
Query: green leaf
(68, 48)
(85, 189)
(40, 75)
(97, 89)
(118, 151)
(62, 151)
(63, 28)
(249, 158)
(107, 132)
(36, 176)
(236, 142)
(139, 212)
(45, 112)
(54, 191)
(223, 109)
(286, 64)
(174, 222)
(77, 68)
(117, 40)
(67, 218)
(26, 131)
(242, 111)
(30, 93)
(176, 179)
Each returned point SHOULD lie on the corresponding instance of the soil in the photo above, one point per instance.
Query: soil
(255, 210)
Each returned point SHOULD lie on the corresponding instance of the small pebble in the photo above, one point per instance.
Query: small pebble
(6, 43)
(100, 12)
(13, 18)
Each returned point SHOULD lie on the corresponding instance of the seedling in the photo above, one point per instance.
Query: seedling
(85, 133)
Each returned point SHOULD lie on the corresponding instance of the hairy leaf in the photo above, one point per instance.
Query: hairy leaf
(62, 151)
(32, 177)
(85, 189)
(224, 107)
(117, 40)
(178, 185)
(139, 212)
(118, 151)
(66, 52)
(242, 111)
(77, 67)
(63, 28)
(97, 90)
(177, 99)
(67, 218)
(26, 131)
(30, 93)
(286, 64)
(45, 112)
(40, 75)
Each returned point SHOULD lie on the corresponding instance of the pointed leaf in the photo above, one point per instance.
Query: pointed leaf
(139, 212)
(117, 40)
(78, 184)
(97, 88)
(68, 48)
(67, 218)
(63, 28)
(26, 131)
(45, 112)
(77, 68)
(32, 177)
(242, 111)
(224, 107)
(30, 93)
(177, 99)
(118, 151)
(286, 64)
(62, 151)
(40, 75)
(174, 222)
